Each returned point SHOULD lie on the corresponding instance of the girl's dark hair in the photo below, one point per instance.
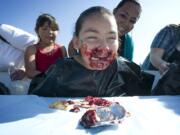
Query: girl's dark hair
(122, 2)
(46, 18)
(97, 10)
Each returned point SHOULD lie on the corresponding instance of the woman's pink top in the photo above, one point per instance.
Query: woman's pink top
(45, 60)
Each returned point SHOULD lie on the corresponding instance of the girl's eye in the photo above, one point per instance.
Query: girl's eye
(111, 39)
(123, 16)
(53, 28)
(133, 21)
(45, 28)
(90, 39)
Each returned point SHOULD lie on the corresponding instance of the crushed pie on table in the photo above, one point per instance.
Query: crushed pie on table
(88, 102)
(62, 105)
(100, 112)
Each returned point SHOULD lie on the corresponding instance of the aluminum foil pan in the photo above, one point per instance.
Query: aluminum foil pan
(103, 116)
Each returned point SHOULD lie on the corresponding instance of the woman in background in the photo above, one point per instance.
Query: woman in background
(127, 14)
(164, 46)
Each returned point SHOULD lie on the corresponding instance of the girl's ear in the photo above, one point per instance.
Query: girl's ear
(76, 43)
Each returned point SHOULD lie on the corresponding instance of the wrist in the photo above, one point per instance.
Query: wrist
(160, 65)
(163, 66)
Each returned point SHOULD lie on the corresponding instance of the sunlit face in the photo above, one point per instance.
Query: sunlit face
(127, 16)
(47, 34)
(98, 42)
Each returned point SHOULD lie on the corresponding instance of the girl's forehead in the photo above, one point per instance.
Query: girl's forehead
(98, 18)
(50, 25)
(45, 24)
(106, 23)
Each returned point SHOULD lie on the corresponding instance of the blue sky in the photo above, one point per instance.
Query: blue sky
(155, 15)
(23, 13)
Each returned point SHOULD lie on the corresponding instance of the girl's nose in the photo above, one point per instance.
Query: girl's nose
(103, 43)
(50, 31)
(103, 51)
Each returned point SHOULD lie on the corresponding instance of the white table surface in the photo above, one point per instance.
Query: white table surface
(30, 115)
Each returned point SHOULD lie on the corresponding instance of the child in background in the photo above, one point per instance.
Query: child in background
(39, 57)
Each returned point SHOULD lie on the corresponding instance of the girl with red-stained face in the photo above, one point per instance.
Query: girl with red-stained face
(94, 70)
(97, 41)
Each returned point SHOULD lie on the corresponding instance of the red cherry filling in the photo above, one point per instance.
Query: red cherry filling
(97, 101)
(89, 118)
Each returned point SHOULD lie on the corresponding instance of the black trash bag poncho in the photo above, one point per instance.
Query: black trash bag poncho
(68, 78)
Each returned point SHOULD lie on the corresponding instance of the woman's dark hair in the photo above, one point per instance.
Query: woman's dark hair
(97, 10)
(46, 18)
(122, 2)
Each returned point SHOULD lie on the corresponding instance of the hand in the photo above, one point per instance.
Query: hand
(18, 74)
(164, 66)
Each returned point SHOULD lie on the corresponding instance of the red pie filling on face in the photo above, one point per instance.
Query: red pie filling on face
(99, 58)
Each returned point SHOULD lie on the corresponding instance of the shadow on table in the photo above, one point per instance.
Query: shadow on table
(96, 130)
(170, 102)
(14, 108)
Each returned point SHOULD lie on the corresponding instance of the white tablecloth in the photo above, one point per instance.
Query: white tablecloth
(30, 115)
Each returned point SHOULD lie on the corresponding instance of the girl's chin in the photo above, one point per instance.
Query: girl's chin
(102, 68)
(99, 66)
